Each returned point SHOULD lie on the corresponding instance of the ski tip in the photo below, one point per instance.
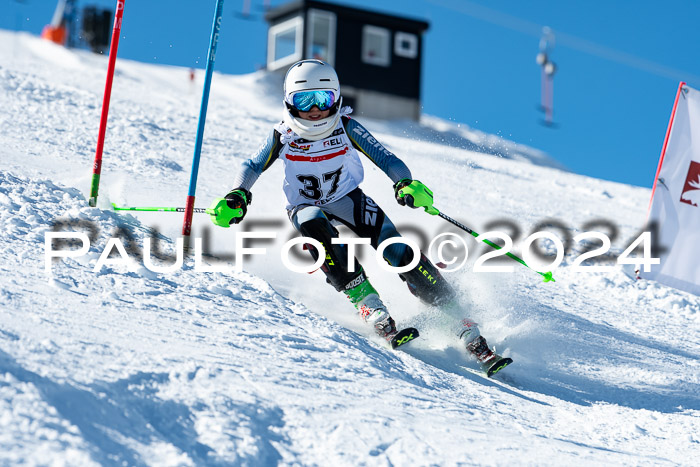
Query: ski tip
(498, 366)
(403, 337)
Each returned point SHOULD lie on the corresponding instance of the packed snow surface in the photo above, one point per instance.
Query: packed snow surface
(126, 366)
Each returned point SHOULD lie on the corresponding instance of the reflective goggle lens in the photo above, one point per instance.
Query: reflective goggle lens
(303, 101)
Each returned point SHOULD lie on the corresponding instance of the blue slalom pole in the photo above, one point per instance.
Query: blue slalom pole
(189, 206)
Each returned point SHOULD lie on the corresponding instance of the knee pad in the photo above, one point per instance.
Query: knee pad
(335, 266)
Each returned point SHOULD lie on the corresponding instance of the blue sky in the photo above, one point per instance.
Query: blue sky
(618, 65)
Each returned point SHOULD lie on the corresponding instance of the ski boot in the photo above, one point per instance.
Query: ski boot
(490, 362)
(371, 308)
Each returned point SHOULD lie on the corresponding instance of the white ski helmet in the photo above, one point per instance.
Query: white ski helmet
(311, 75)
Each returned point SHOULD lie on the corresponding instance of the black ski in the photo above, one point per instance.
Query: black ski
(498, 364)
(404, 336)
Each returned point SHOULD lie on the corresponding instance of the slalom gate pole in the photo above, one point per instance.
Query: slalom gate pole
(189, 206)
(663, 149)
(97, 167)
(546, 275)
(161, 209)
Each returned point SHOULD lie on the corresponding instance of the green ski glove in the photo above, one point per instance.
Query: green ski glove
(414, 194)
(231, 209)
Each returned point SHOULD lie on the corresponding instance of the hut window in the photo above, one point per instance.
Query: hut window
(321, 36)
(285, 43)
(376, 46)
(406, 45)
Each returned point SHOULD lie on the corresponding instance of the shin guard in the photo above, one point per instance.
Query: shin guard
(426, 282)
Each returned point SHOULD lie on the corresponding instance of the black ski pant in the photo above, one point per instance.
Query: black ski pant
(366, 219)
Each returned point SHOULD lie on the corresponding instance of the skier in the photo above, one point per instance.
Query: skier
(319, 145)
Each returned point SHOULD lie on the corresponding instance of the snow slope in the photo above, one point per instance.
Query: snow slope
(265, 366)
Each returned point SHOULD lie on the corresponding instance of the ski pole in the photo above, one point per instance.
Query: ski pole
(547, 275)
(97, 166)
(160, 209)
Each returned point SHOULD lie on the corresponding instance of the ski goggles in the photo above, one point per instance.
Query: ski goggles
(305, 100)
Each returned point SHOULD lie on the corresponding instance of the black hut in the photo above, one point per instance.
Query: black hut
(377, 56)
